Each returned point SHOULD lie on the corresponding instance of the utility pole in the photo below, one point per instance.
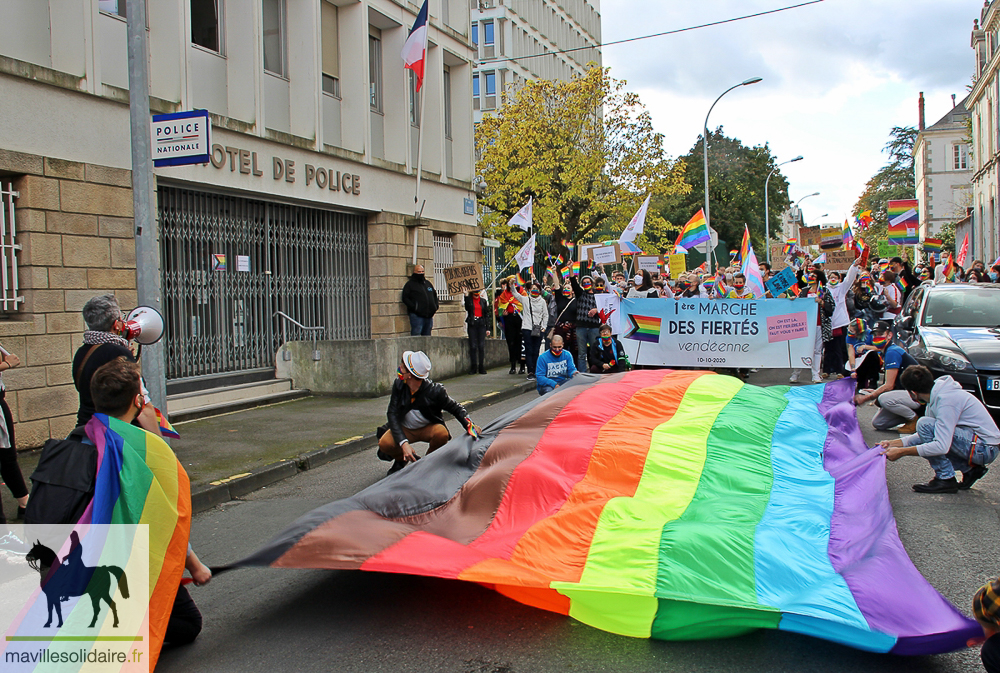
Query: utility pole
(147, 253)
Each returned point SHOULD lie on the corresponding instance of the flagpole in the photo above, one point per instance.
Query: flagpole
(417, 205)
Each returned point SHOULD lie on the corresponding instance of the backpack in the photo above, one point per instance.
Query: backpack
(878, 304)
(63, 481)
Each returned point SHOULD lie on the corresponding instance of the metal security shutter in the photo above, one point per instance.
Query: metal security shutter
(311, 264)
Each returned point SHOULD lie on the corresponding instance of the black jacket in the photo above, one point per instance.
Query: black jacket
(615, 356)
(911, 281)
(420, 297)
(470, 306)
(430, 400)
(584, 302)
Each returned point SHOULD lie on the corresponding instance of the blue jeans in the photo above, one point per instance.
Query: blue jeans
(957, 458)
(585, 338)
(542, 390)
(420, 326)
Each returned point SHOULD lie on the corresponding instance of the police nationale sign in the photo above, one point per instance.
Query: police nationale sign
(182, 138)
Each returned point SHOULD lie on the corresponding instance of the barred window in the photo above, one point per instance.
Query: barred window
(443, 259)
(11, 299)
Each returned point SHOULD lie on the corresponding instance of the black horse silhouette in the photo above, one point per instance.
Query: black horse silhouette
(73, 578)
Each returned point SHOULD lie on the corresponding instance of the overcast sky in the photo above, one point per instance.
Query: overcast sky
(838, 75)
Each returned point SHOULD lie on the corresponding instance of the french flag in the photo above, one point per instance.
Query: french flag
(415, 48)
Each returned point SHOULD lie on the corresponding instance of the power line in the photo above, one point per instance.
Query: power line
(666, 32)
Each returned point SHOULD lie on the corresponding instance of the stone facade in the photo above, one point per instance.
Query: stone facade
(74, 225)
(390, 258)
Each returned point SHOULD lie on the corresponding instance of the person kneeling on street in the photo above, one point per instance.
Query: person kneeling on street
(607, 355)
(956, 434)
(555, 367)
(415, 413)
(895, 405)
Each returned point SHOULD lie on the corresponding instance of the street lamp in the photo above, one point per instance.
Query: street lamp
(796, 205)
(818, 218)
(767, 213)
(710, 249)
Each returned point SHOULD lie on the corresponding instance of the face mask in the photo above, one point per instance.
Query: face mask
(567, 293)
(586, 286)
(400, 373)
(880, 341)
(834, 282)
(672, 283)
(606, 340)
(683, 284)
(994, 276)
(419, 277)
(739, 286)
(535, 293)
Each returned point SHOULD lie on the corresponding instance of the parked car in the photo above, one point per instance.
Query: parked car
(954, 329)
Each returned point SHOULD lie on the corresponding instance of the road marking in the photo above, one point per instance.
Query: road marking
(345, 441)
(228, 479)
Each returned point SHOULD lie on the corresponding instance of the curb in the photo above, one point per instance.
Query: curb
(206, 496)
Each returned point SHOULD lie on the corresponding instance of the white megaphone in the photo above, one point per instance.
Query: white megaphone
(144, 324)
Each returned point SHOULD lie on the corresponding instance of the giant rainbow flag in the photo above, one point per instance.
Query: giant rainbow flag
(656, 503)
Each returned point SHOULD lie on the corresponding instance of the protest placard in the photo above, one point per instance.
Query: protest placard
(781, 281)
(605, 254)
(677, 265)
(651, 263)
(839, 260)
(466, 276)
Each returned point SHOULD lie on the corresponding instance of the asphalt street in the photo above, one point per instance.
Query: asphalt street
(320, 620)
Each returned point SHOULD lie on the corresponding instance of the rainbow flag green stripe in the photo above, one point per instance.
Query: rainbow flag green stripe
(673, 505)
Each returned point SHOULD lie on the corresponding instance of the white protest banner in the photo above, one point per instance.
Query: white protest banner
(522, 218)
(585, 249)
(609, 309)
(769, 333)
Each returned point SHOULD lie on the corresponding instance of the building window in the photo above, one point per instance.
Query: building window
(446, 83)
(490, 90)
(475, 92)
(475, 34)
(331, 50)
(115, 7)
(443, 259)
(961, 157)
(274, 37)
(375, 70)
(489, 40)
(414, 99)
(11, 299)
(206, 27)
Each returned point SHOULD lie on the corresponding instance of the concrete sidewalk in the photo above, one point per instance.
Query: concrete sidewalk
(233, 454)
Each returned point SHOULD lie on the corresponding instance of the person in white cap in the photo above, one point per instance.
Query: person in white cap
(415, 413)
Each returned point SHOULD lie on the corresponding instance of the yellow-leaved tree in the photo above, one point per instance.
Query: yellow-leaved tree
(583, 149)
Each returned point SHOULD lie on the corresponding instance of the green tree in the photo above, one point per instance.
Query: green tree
(895, 180)
(584, 150)
(736, 176)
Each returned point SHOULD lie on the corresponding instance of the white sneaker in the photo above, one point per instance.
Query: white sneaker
(817, 379)
(794, 378)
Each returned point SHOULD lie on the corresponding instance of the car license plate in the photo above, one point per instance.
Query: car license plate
(992, 384)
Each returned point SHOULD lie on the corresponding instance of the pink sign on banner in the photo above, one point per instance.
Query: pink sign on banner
(787, 327)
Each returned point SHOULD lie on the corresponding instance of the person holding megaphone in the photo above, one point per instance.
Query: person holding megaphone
(102, 343)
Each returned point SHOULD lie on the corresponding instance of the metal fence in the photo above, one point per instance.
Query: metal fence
(11, 299)
(230, 263)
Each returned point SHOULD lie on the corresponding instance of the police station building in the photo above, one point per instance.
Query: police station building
(305, 209)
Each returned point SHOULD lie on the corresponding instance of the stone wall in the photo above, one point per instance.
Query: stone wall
(74, 225)
(390, 257)
(368, 368)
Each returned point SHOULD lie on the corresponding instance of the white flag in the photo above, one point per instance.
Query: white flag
(634, 227)
(522, 218)
(525, 257)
